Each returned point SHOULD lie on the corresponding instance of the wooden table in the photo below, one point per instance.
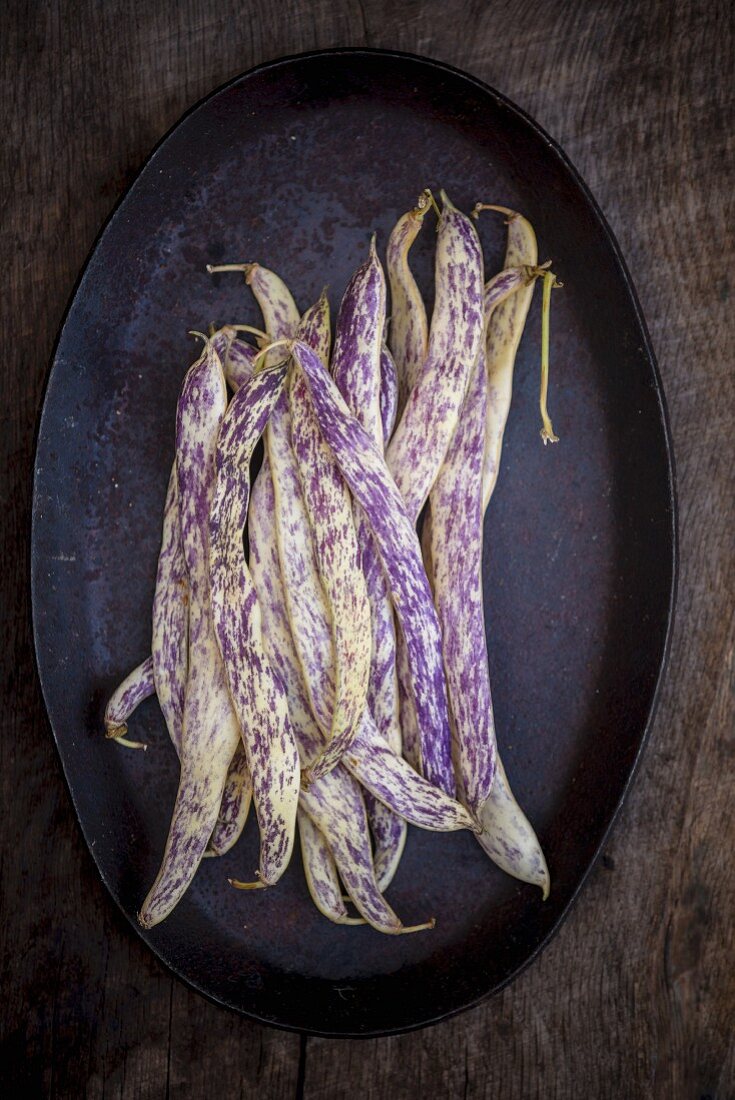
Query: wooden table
(636, 995)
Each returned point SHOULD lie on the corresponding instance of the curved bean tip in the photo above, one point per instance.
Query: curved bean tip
(200, 335)
(424, 203)
(238, 885)
(446, 201)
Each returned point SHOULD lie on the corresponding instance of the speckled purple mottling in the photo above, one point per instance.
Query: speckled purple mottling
(357, 367)
(392, 780)
(389, 833)
(388, 393)
(423, 433)
(170, 637)
(337, 794)
(395, 547)
(456, 562)
(454, 534)
(320, 870)
(329, 514)
(210, 732)
(170, 655)
(358, 341)
(257, 692)
(238, 363)
(371, 761)
(338, 810)
(235, 804)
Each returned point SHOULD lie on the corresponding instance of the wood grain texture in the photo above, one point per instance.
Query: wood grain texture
(636, 995)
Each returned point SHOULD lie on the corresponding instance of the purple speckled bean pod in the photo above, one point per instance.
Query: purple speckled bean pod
(164, 673)
(136, 687)
(170, 637)
(370, 759)
(388, 393)
(454, 533)
(392, 780)
(329, 510)
(267, 513)
(409, 329)
(234, 807)
(429, 418)
(395, 546)
(504, 328)
(210, 731)
(321, 873)
(338, 811)
(257, 693)
(389, 838)
(237, 360)
(170, 653)
(304, 595)
(239, 363)
(358, 342)
(336, 796)
(455, 561)
(424, 431)
(357, 368)
(507, 835)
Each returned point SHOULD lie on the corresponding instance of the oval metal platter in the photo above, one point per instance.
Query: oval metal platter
(294, 165)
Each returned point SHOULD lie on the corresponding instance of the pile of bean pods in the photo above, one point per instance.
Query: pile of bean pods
(335, 673)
